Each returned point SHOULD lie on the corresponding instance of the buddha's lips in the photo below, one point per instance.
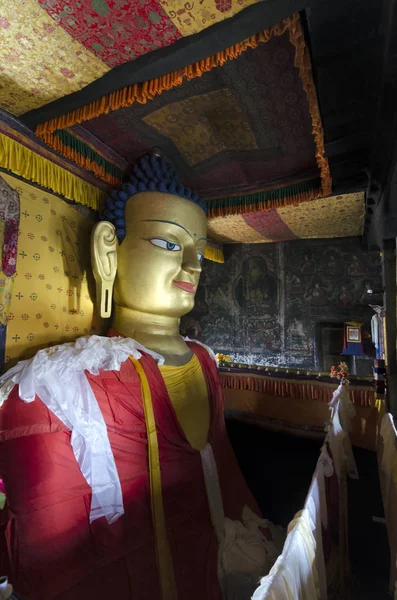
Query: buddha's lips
(186, 286)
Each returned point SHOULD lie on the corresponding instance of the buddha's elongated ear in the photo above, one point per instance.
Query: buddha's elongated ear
(104, 264)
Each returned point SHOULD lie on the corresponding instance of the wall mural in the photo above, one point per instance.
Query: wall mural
(263, 304)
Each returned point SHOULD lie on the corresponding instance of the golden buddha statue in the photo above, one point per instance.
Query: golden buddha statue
(156, 272)
(119, 475)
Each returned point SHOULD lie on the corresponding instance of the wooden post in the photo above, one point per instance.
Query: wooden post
(390, 291)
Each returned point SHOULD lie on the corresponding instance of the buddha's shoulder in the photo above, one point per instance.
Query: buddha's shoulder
(56, 366)
(203, 347)
(61, 367)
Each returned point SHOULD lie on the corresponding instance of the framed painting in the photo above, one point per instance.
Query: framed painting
(354, 334)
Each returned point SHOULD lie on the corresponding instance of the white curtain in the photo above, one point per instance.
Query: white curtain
(387, 459)
(299, 573)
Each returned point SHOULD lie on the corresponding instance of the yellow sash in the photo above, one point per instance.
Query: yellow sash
(163, 552)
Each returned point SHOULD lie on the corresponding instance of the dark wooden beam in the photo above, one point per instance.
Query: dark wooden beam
(348, 144)
(381, 217)
(347, 51)
(384, 146)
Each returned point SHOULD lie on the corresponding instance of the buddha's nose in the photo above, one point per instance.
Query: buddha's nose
(189, 268)
(191, 263)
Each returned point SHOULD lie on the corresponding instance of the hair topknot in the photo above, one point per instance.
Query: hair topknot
(150, 174)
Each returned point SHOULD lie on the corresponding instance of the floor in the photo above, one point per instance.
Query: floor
(278, 468)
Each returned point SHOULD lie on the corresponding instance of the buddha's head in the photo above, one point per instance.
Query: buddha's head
(150, 243)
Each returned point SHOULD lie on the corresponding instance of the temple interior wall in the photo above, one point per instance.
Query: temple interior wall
(267, 303)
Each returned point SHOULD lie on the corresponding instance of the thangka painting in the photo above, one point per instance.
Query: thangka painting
(242, 302)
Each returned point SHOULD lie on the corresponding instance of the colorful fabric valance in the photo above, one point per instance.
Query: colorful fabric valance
(214, 252)
(362, 393)
(332, 217)
(51, 49)
(22, 154)
(242, 125)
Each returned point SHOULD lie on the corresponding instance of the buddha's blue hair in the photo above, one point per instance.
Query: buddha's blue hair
(151, 174)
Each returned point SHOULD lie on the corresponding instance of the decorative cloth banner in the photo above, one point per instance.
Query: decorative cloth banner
(377, 330)
(146, 91)
(304, 389)
(23, 154)
(40, 61)
(52, 295)
(9, 224)
(131, 30)
(353, 339)
(210, 119)
(51, 49)
(214, 252)
(332, 217)
(9, 215)
(291, 195)
(88, 157)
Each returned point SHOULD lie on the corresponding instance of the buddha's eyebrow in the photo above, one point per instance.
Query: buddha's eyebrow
(169, 222)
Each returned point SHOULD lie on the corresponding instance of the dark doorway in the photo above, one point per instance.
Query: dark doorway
(329, 346)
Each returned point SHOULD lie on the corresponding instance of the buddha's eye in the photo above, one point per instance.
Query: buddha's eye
(200, 256)
(171, 246)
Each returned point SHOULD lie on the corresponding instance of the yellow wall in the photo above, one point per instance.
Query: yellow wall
(53, 291)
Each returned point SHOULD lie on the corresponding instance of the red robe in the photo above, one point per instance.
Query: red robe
(49, 548)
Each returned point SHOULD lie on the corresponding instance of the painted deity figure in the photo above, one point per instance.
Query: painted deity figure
(256, 288)
(308, 266)
(119, 475)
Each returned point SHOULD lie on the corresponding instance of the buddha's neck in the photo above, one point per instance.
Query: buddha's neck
(155, 332)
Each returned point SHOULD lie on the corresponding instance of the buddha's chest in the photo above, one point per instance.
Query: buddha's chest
(182, 404)
(187, 390)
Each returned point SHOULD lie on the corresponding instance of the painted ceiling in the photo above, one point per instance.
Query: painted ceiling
(103, 82)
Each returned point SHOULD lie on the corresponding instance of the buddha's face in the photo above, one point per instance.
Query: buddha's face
(159, 260)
